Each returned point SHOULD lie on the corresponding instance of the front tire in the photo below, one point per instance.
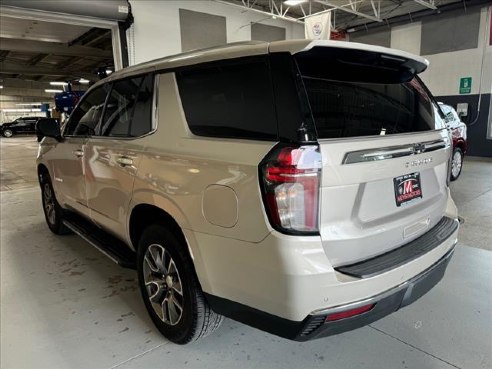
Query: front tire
(456, 163)
(53, 212)
(170, 288)
(7, 133)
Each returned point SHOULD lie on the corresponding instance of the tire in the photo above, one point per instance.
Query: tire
(7, 133)
(456, 163)
(53, 213)
(170, 288)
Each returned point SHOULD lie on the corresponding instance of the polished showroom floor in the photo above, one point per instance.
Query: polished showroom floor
(64, 305)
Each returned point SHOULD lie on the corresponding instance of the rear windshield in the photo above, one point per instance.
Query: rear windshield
(364, 104)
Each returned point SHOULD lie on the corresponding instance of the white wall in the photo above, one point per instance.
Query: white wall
(156, 31)
(446, 69)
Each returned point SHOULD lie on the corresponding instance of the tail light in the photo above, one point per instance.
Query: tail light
(290, 179)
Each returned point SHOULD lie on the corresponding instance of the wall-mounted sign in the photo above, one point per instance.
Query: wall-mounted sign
(465, 85)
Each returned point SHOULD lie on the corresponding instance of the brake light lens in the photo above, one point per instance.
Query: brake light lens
(290, 185)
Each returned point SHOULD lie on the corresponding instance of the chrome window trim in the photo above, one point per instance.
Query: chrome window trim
(391, 152)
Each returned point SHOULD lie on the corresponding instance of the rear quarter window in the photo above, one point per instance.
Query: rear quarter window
(232, 99)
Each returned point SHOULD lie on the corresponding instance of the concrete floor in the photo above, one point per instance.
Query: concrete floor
(64, 305)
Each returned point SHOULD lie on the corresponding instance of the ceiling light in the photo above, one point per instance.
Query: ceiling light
(58, 83)
(294, 2)
(1, 87)
(53, 91)
(109, 71)
(21, 110)
(84, 81)
(30, 104)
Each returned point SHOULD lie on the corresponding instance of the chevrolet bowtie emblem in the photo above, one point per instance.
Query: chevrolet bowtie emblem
(418, 148)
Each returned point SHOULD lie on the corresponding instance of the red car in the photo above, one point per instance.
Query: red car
(458, 133)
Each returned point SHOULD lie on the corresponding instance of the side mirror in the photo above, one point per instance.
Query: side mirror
(48, 127)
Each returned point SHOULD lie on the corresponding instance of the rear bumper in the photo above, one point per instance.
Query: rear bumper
(385, 303)
(314, 325)
(404, 254)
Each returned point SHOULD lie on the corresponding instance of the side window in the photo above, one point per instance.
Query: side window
(129, 109)
(86, 116)
(119, 109)
(142, 115)
(230, 100)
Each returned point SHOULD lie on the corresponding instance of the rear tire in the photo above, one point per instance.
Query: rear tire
(7, 133)
(456, 163)
(170, 288)
(53, 212)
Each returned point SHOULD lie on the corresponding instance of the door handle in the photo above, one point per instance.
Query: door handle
(124, 161)
(78, 153)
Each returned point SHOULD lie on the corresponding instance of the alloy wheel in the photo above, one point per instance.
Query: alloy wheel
(49, 204)
(456, 164)
(163, 284)
(7, 133)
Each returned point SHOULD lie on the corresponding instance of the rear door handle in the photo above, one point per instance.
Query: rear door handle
(124, 161)
(78, 153)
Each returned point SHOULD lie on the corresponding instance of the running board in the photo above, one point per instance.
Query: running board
(110, 246)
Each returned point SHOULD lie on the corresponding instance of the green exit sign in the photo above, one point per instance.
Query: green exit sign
(465, 85)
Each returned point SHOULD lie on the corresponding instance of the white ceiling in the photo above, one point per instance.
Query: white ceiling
(26, 29)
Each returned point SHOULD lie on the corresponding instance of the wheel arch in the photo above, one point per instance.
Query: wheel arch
(42, 171)
(461, 144)
(144, 214)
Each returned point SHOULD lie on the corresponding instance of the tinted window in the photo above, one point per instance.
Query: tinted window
(347, 109)
(119, 108)
(229, 100)
(26, 120)
(128, 110)
(87, 115)
(142, 115)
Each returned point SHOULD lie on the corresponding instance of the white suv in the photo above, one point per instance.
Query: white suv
(300, 187)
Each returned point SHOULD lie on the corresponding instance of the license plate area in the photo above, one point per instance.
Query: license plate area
(407, 188)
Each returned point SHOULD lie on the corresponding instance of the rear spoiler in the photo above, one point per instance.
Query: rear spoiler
(359, 62)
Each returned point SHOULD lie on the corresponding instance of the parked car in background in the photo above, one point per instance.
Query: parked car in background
(458, 134)
(24, 125)
(300, 187)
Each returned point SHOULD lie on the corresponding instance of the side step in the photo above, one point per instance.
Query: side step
(110, 246)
